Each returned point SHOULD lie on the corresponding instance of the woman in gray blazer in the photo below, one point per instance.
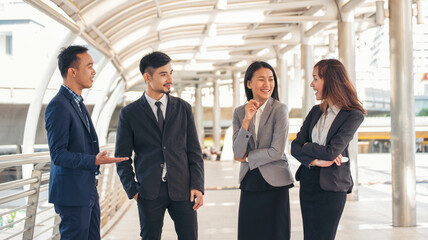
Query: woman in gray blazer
(322, 148)
(260, 131)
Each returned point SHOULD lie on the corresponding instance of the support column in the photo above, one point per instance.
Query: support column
(307, 64)
(402, 114)
(105, 115)
(282, 76)
(178, 91)
(99, 105)
(236, 89)
(35, 107)
(216, 115)
(199, 114)
(346, 40)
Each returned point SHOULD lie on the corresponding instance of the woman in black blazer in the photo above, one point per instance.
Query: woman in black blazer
(322, 148)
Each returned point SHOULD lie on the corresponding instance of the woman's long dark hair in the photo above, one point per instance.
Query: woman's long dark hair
(337, 86)
(249, 74)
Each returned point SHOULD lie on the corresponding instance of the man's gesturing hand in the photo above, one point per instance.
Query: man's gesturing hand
(102, 158)
(199, 199)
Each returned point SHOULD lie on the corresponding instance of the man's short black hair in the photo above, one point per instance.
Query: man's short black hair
(68, 58)
(153, 60)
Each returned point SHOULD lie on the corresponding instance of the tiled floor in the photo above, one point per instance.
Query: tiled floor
(366, 219)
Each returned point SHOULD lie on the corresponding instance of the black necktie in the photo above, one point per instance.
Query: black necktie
(160, 115)
(84, 113)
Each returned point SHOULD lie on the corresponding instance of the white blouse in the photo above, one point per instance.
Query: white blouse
(320, 130)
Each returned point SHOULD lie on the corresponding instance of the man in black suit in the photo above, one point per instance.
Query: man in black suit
(168, 162)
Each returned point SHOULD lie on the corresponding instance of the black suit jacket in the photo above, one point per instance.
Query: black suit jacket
(177, 145)
(334, 178)
(73, 148)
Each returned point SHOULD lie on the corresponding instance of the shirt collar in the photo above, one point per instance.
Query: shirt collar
(151, 101)
(334, 109)
(73, 94)
(262, 107)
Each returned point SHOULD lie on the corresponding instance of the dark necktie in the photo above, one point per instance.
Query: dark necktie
(160, 115)
(84, 113)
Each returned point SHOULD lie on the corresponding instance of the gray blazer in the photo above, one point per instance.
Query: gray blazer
(267, 153)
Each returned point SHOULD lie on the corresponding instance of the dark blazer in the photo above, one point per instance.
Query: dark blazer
(73, 148)
(177, 145)
(334, 178)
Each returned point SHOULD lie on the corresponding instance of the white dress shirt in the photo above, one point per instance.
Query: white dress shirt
(164, 101)
(320, 130)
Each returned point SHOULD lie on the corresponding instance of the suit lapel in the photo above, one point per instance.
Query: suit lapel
(170, 110)
(341, 116)
(265, 115)
(76, 108)
(147, 110)
(314, 121)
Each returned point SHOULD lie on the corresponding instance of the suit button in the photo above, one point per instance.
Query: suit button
(247, 136)
(161, 165)
(164, 147)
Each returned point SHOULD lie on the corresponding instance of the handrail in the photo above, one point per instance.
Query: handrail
(32, 206)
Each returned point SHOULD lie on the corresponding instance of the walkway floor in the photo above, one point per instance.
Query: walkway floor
(369, 218)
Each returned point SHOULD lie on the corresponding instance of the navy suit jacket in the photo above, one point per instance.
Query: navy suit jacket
(73, 148)
(334, 178)
(177, 145)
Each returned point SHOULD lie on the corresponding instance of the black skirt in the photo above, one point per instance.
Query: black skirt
(264, 210)
(321, 210)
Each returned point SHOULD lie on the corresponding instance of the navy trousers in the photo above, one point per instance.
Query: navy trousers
(81, 222)
(152, 212)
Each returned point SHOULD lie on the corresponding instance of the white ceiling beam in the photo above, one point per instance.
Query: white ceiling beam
(123, 28)
(109, 53)
(50, 12)
(158, 9)
(351, 5)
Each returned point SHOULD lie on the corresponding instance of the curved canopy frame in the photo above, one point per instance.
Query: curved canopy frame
(200, 36)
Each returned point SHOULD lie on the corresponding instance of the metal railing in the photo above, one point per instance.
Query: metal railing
(24, 202)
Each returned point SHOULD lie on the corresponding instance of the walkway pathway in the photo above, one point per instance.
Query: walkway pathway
(369, 218)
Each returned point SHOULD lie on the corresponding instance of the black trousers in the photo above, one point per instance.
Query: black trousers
(321, 210)
(152, 212)
(264, 215)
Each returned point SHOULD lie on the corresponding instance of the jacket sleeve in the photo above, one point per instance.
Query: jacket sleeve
(58, 121)
(262, 156)
(303, 138)
(240, 136)
(194, 153)
(339, 141)
(124, 148)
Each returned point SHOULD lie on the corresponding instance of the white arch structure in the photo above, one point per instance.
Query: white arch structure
(209, 39)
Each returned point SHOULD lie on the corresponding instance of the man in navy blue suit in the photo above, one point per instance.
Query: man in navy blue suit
(169, 168)
(74, 150)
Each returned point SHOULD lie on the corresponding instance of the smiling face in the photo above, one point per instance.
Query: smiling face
(262, 84)
(159, 82)
(85, 72)
(317, 84)
(81, 73)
